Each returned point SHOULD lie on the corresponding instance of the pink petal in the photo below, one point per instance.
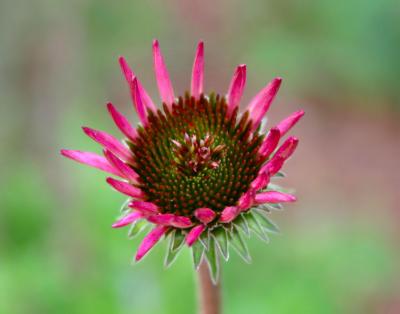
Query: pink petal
(125, 188)
(194, 234)
(162, 76)
(146, 208)
(110, 143)
(196, 87)
(150, 240)
(236, 88)
(285, 125)
(246, 200)
(161, 219)
(122, 123)
(229, 214)
(270, 142)
(129, 76)
(260, 182)
(138, 101)
(260, 104)
(124, 169)
(90, 159)
(272, 166)
(128, 219)
(205, 215)
(274, 197)
(287, 148)
(181, 222)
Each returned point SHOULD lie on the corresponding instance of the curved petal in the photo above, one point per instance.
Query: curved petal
(128, 219)
(162, 76)
(260, 182)
(196, 87)
(146, 208)
(229, 213)
(149, 241)
(272, 166)
(204, 214)
(129, 76)
(125, 188)
(236, 88)
(122, 123)
(287, 148)
(171, 220)
(274, 197)
(246, 200)
(91, 159)
(124, 169)
(110, 143)
(270, 142)
(286, 124)
(194, 234)
(138, 100)
(260, 104)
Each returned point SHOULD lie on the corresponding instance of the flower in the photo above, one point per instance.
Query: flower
(196, 169)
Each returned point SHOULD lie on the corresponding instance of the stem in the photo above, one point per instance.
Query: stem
(209, 294)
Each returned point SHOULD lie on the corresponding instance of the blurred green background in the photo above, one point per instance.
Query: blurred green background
(339, 249)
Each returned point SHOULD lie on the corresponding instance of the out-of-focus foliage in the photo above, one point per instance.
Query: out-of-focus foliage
(58, 66)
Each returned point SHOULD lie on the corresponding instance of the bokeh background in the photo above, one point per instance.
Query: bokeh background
(339, 247)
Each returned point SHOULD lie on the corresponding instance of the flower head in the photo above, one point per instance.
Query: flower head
(196, 169)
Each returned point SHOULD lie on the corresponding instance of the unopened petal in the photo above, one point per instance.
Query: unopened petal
(92, 160)
(110, 143)
(204, 214)
(196, 87)
(236, 88)
(287, 148)
(125, 188)
(149, 241)
(285, 125)
(128, 219)
(260, 182)
(274, 197)
(194, 234)
(162, 76)
(260, 104)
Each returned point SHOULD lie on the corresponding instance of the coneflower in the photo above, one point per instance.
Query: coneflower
(196, 169)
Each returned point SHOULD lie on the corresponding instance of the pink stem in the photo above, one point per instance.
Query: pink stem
(209, 294)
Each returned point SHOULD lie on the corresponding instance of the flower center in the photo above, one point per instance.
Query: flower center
(193, 156)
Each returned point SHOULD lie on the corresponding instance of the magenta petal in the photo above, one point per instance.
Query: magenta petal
(229, 214)
(204, 214)
(129, 76)
(246, 200)
(287, 148)
(127, 171)
(138, 100)
(162, 219)
(146, 208)
(272, 166)
(150, 240)
(260, 104)
(260, 182)
(270, 142)
(128, 219)
(285, 125)
(125, 188)
(122, 123)
(274, 197)
(194, 234)
(196, 87)
(162, 76)
(110, 143)
(91, 159)
(236, 88)
(181, 222)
